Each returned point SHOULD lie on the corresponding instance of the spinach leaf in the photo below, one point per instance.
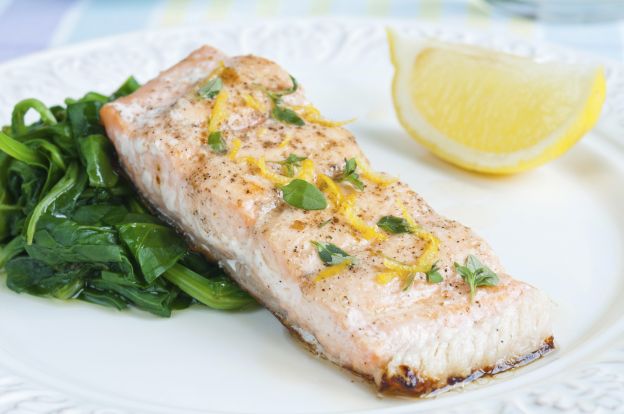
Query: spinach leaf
(62, 186)
(104, 298)
(155, 247)
(67, 201)
(100, 214)
(94, 97)
(84, 119)
(24, 183)
(139, 218)
(129, 86)
(25, 273)
(95, 151)
(198, 263)
(9, 210)
(155, 301)
(64, 285)
(64, 241)
(11, 249)
(59, 135)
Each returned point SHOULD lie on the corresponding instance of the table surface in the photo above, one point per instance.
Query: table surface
(28, 26)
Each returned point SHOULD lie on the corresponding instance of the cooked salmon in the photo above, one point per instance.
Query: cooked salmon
(207, 144)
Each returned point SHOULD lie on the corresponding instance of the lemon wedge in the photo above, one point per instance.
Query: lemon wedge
(489, 111)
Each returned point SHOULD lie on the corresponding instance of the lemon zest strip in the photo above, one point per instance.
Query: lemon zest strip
(397, 266)
(260, 164)
(423, 263)
(346, 206)
(349, 210)
(313, 115)
(216, 71)
(332, 270)
(285, 142)
(372, 176)
(406, 215)
(429, 255)
(332, 190)
(236, 144)
(383, 278)
(219, 112)
(253, 103)
(306, 172)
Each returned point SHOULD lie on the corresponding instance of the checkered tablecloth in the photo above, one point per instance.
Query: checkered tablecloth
(28, 26)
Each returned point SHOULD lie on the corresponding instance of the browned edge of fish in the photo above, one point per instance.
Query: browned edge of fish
(411, 384)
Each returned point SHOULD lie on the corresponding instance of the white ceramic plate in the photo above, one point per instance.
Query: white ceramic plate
(560, 228)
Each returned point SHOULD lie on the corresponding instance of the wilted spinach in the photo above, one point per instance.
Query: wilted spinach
(72, 227)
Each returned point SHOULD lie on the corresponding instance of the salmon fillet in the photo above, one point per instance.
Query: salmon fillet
(409, 339)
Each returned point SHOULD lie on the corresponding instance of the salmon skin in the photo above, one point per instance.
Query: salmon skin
(207, 143)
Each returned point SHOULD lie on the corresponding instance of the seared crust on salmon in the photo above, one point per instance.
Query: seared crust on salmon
(410, 338)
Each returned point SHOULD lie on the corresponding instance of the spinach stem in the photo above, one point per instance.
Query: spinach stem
(21, 152)
(203, 289)
(62, 186)
(18, 125)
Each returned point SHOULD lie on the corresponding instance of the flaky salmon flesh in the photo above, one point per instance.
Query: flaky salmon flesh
(201, 142)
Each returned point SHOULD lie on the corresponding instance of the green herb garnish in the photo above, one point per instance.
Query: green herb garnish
(277, 96)
(433, 275)
(325, 223)
(282, 113)
(301, 194)
(331, 254)
(71, 227)
(394, 225)
(286, 115)
(216, 142)
(349, 174)
(290, 163)
(409, 282)
(211, 88)
(476, 274)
